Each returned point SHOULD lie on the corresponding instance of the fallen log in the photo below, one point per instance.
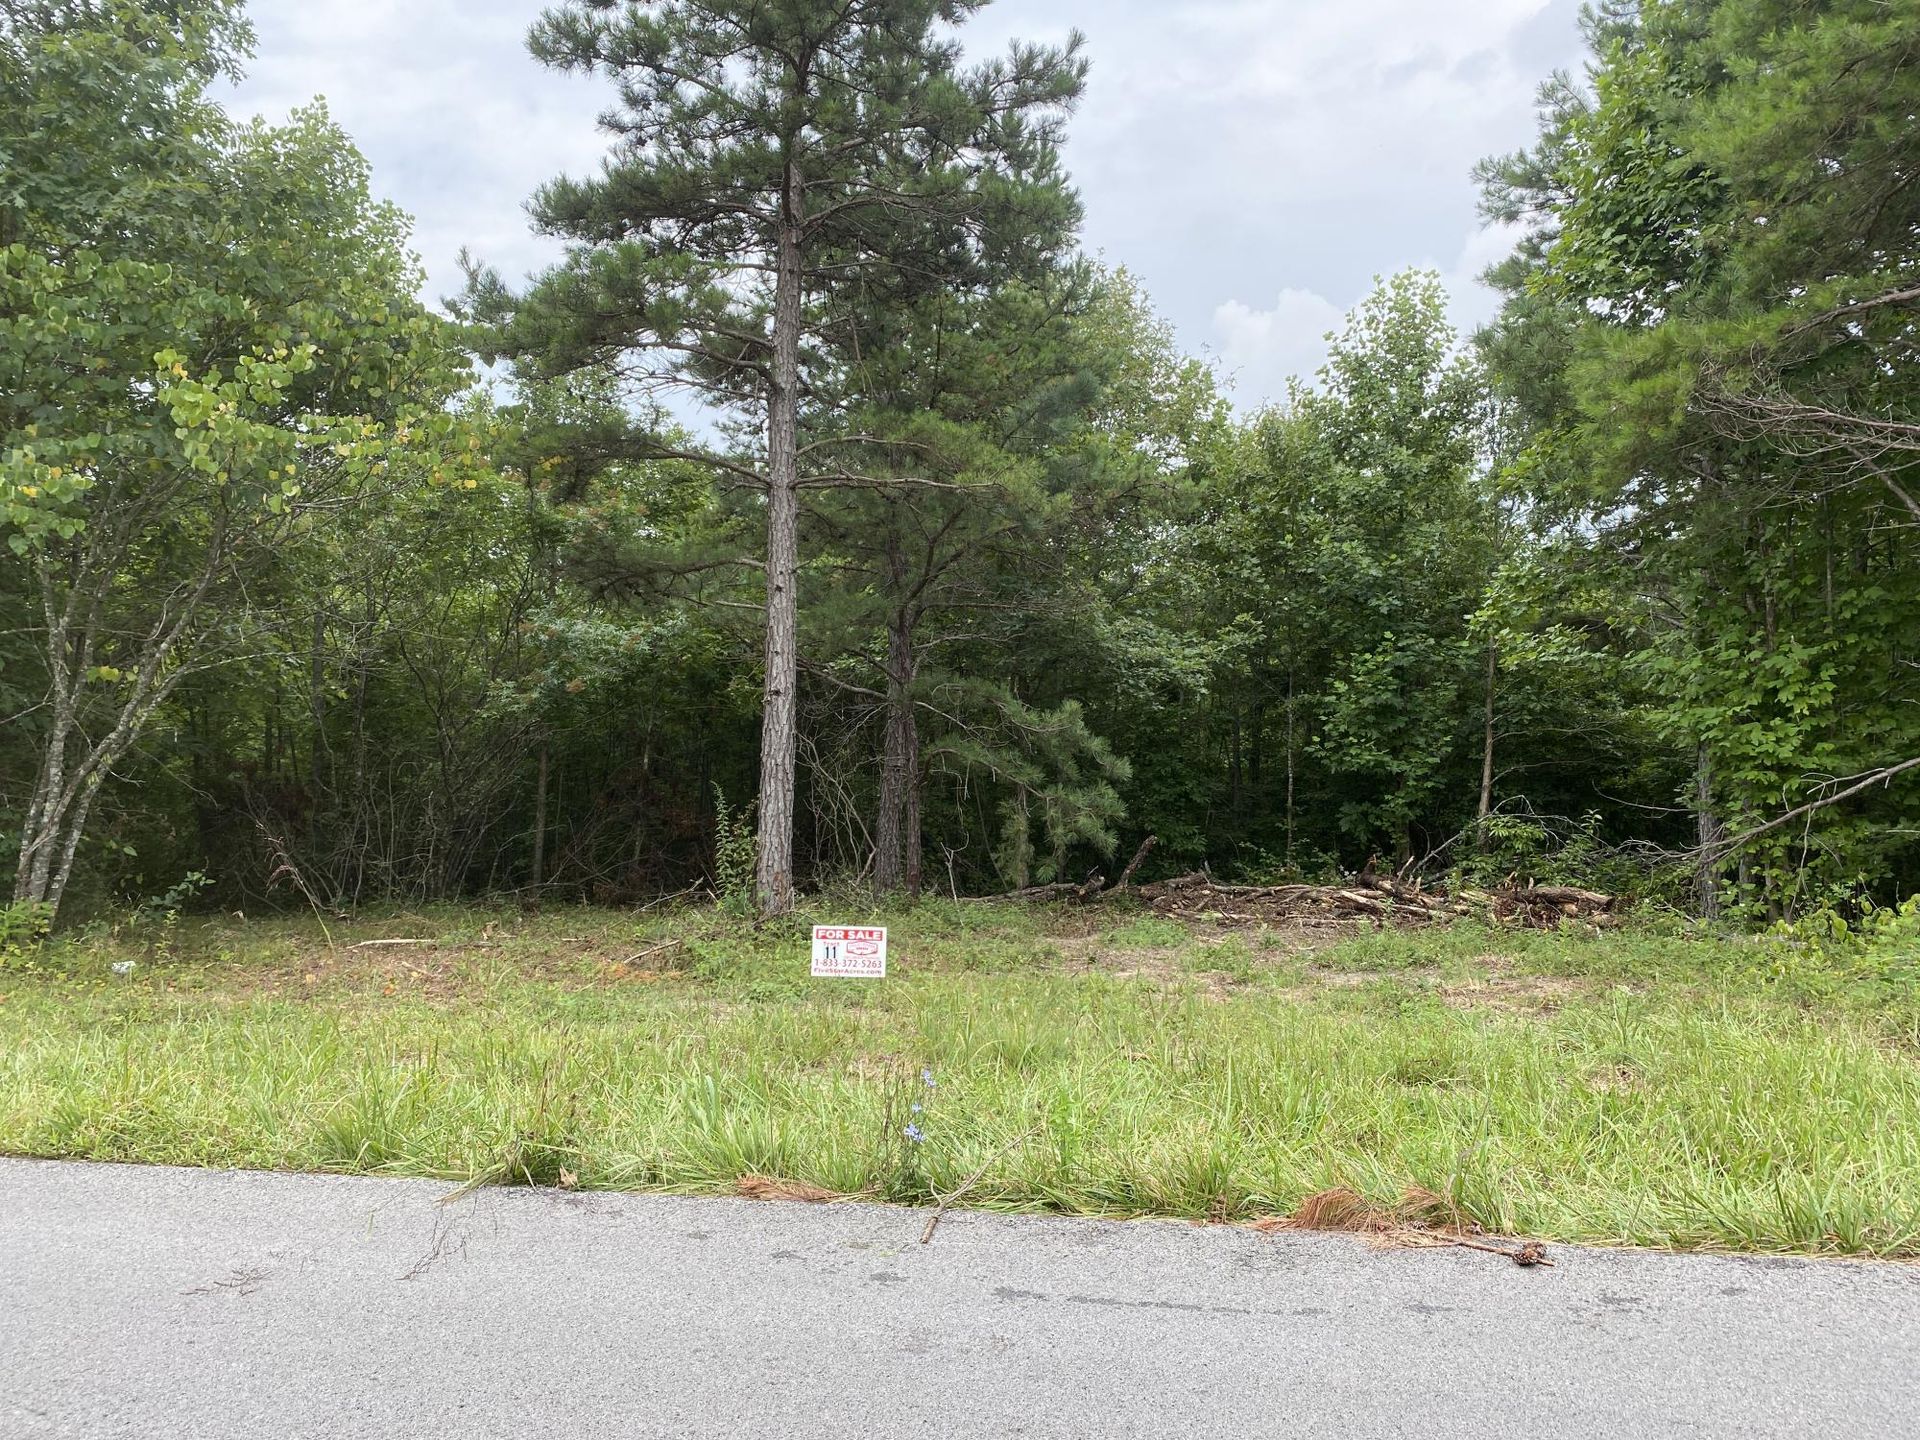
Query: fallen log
(1043, 892)
(1086, 890)
(1560, 895)
(1361, 902)
(1405, 894)
(1146, 849)
(1192, 877)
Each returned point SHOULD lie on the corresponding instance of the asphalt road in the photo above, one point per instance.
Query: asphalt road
(204, 1305)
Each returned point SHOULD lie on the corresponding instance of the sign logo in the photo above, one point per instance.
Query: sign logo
(850, 952)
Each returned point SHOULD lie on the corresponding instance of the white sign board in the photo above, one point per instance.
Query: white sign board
(856, 952)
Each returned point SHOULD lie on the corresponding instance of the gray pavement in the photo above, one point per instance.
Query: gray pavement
(165, 1303)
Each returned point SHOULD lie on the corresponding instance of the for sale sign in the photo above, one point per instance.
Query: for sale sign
(857, 952)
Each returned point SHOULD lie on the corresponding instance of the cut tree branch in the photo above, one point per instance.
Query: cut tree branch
(1877, 777)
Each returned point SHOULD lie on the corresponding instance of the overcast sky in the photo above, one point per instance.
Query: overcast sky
(1255, 162)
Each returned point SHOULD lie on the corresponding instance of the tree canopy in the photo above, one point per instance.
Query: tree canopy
(825, 482)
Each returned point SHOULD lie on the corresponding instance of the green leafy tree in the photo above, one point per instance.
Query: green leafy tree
(207, 336)
(1353, 543)
(1709, 338)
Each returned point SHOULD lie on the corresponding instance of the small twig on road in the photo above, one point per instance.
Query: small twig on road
(243, 1282)
(1531, 1253)
(940, 1209)
(443, 1242)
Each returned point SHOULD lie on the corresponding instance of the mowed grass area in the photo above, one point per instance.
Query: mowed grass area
(1624, 1087)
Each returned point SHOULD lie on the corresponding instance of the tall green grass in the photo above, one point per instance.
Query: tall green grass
(1693, 1111)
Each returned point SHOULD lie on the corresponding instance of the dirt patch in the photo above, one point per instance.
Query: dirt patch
(1323, 979)
(1093, 952)
(1617, 1080)
(431, 968)
(1520, 994)
(1492, 991)
(1273, 947)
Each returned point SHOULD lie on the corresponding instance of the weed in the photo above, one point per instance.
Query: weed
(23, 926)
(735, 855)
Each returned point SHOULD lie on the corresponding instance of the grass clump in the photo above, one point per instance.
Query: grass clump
(1649, 1089)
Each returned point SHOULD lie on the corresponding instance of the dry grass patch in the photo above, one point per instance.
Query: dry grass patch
(768, 1187)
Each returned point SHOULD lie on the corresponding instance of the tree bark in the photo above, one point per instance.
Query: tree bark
(1486, 751)
(63, 797)
(539, 878)
(896, 860)
(1139, 859)
(1020, 842)
(1291, 768)
(773, 879)
(1709, 832)
(1233, 769)
(911, 822)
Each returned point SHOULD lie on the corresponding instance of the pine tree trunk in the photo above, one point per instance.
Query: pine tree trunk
(320, 753)
(1233, 769)
(911, 822)
(1020, 843)
(1257, 743)
(896, 860)
(1486, 751)
(773, 879)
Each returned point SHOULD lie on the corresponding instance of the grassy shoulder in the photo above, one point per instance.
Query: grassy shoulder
(1622, 1087)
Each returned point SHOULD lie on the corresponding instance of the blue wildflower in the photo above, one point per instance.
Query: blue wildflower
(926, 1077)
(916, 1107)
(914, 1133)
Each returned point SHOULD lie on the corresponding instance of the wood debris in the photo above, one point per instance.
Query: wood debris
(1367, 896)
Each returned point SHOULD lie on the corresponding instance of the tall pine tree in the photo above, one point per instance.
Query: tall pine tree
(772, 158)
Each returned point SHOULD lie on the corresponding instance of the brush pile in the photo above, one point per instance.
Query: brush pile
(1383, 899)
(1373, 897)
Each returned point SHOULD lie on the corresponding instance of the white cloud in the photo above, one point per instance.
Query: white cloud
(1227, 150)
(1474, 302)
(1235, 150)
(1261, 349)
(458, 121)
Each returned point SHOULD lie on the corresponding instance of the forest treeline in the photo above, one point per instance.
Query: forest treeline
(824, 516)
